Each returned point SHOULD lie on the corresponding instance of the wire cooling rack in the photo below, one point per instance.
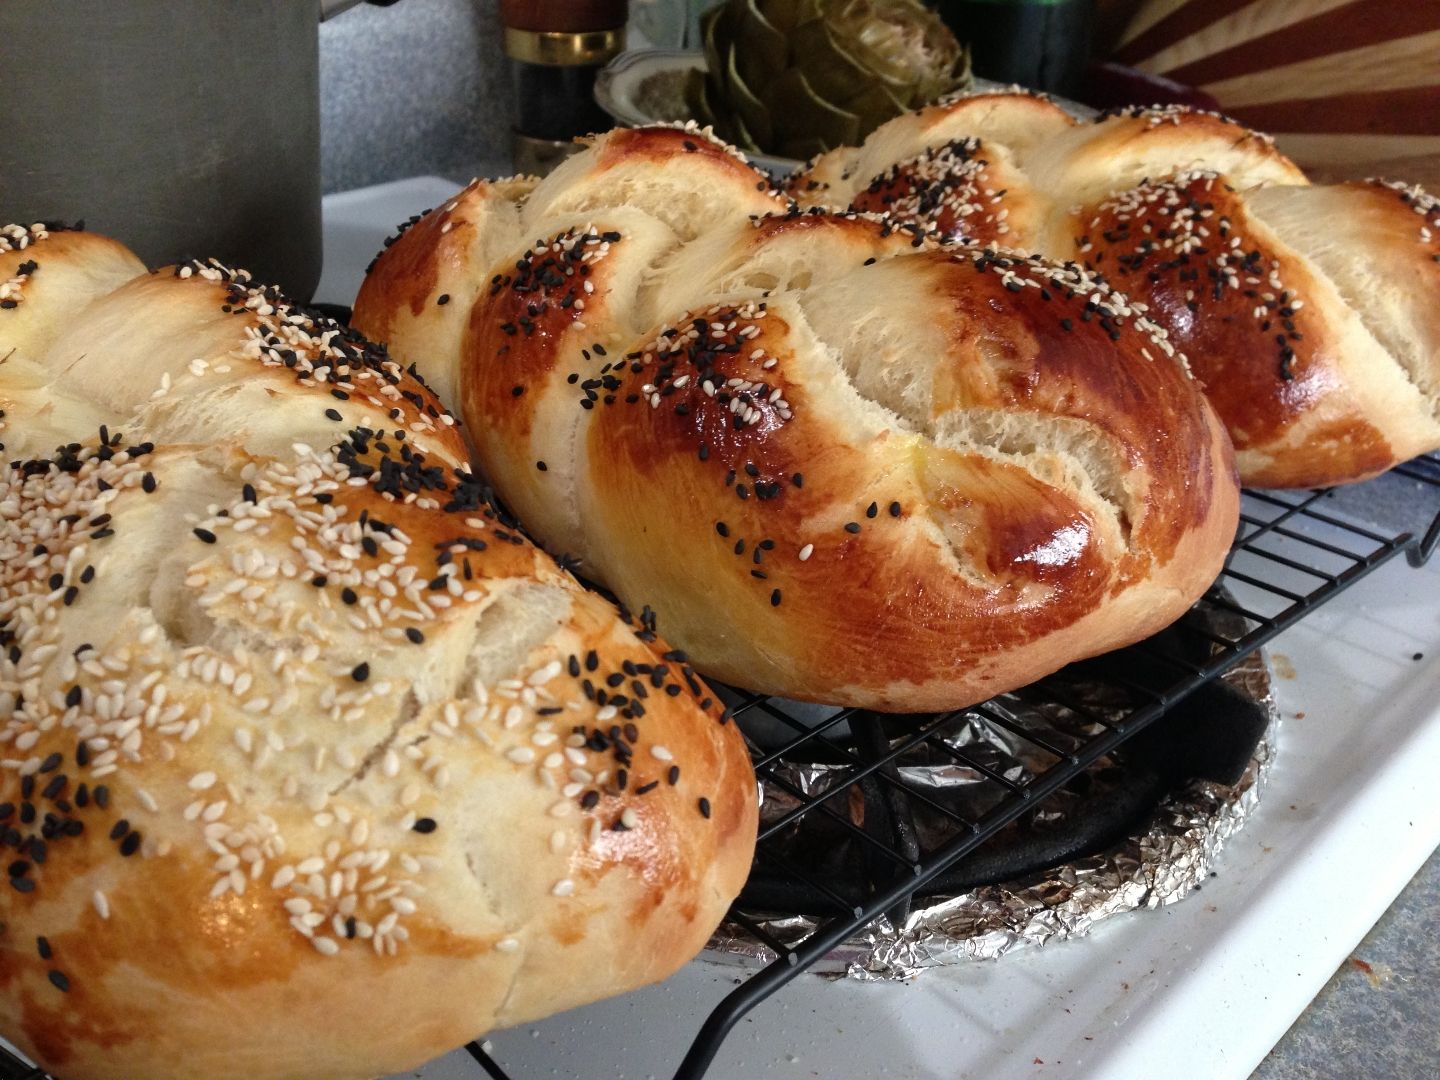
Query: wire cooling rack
(1293, 552)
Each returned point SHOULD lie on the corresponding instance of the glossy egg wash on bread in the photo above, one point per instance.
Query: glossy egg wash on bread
(1307, 311)
(311, 763)
(843, 461)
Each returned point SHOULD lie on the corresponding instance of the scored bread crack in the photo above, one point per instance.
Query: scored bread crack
(884, 377)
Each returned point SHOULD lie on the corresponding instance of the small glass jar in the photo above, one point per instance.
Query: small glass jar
(556, 48)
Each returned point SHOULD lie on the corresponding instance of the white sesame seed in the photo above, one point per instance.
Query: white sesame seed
(563, 887)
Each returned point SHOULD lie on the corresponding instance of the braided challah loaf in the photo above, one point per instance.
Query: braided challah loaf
(310, 763)
(1309, 313)
(842, 464)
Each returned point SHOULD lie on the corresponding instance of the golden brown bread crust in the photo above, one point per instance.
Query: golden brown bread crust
(952, 167)
(1018, 121)
(1036, 518)
(1342, 387)
(884, 611)
(1123, 148)
(679, 174)
(1308, 395)
(48, 274)
(794, 534)
(310, 763)
(964, 190)
(477, 225)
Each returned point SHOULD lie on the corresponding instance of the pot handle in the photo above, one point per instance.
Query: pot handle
(330, 8)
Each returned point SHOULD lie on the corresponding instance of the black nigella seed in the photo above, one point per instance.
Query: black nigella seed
(333, 414)
(130, 844)
(516, 391)
(704, 805)
(895, 509)
(415, 637)
(360, 672)
(51, 762)
(852, 526)
(673, 776)
(424, 825)
(775, 598)
(59, 981)
(43, 946)
(541, 466)
(872, 510)
(72, 697)
(798, 480)
(119, 829)
(722, 528)
(347, 594)
(589, 800)
(206, 535)
(443, 299)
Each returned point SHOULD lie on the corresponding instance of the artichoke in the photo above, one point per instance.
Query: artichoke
(798, 77)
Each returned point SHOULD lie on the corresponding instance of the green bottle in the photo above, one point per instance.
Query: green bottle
(1040, 44)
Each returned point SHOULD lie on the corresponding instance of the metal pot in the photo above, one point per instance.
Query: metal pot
(181, 128)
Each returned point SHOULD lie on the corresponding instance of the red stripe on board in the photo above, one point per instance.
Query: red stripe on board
(1413, 111)
(1365, 22)
(1176, 26)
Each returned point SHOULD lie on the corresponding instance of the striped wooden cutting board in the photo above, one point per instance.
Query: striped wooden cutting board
(1346, 86)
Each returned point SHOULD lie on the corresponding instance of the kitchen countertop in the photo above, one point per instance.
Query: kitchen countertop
(1377, 1014)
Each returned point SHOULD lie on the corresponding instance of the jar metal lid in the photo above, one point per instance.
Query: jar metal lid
(563, 49)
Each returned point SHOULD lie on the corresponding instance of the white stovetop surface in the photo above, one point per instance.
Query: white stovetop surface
(1202, 988)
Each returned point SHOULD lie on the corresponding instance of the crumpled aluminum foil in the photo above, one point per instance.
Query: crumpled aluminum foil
(1160, 865)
